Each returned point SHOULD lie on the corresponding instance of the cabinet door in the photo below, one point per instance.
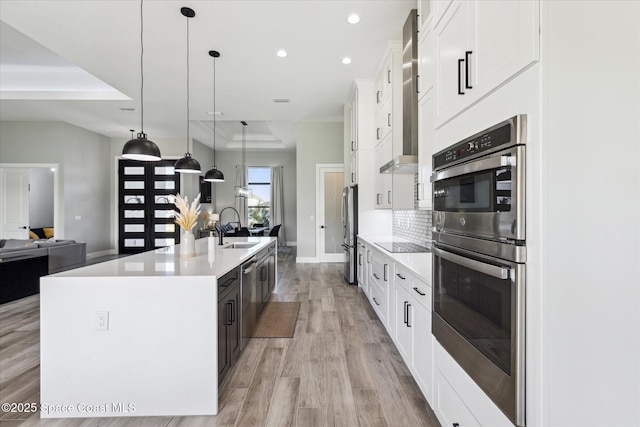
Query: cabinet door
(403, 322)
(454, 74)
(506, 40)
(426, 61)
(354, 168)
(422, 349)
(234, 332)
(426, 133)
(438, 8)
(384, 153)
(224, 363)
(385, 119)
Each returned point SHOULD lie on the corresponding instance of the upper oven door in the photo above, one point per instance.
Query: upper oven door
(483, 197)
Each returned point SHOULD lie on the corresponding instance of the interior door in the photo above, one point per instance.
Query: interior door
(146, 209)
(330, 228)
(14, 203)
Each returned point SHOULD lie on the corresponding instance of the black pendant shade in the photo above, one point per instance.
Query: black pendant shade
(141, 149)
(187, 164)
(214, 175)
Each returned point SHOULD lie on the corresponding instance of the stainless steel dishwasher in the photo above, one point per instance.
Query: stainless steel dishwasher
(248, 295)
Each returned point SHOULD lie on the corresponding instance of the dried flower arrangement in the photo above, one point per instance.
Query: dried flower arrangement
(187, 218)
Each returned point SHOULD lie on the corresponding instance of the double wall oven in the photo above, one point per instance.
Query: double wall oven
(479, 259)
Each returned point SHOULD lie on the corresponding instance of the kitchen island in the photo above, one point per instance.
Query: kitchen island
(136, 336)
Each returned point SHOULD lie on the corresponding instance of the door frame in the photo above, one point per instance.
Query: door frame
(58, 208)
(321, 168)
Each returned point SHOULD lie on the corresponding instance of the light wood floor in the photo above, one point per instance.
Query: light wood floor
(340, 368)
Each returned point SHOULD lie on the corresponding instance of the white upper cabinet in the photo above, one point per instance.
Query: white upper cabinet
(437, 9)
(480, 45)
(424, 13)
(426, 60)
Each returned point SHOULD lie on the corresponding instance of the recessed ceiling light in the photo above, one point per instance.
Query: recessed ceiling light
(127, 109)
(281, 53)
(346, 60)
(353, 19)
(281, 100)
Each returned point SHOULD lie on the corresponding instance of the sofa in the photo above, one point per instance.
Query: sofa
(24, 262)
(62, 254)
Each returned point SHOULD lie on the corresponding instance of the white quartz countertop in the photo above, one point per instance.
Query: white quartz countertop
(167, 261)
(420, 263)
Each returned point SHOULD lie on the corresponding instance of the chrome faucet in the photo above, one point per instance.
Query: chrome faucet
(222, 232)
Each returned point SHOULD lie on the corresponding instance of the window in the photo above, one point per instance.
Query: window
(259, 206)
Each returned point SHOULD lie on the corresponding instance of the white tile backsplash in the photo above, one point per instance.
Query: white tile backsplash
(414, 226)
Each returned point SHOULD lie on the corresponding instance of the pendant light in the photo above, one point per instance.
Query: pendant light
(242, 190)
(141, 148)
(214, 174)
(187, 164)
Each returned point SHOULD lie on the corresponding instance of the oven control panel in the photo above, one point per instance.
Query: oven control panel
(497, 137)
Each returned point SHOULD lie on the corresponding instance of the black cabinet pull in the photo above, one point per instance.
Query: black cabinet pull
(466, 68)
(378, 133)
(456, 425)
(389, 196)
(417, 84)
(460, 92)
(388, 76)
(352, 145)
(418, 291)
(378, 97)
(376, 276)
(359, 259)
(400, 276)
(229, 313)
(353, 177)
(405, 312)
(386, 266)
(375, 300)
(408, 324)
(388, 119)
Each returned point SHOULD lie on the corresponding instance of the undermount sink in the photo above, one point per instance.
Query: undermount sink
(241, 245)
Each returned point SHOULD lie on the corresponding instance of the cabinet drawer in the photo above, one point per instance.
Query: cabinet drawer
(379, 303)
(414, 286)
(449, 409)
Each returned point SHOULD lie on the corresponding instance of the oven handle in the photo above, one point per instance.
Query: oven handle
(491, 270)
(475, 166)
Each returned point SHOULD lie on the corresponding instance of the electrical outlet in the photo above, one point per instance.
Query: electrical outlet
(102, 321)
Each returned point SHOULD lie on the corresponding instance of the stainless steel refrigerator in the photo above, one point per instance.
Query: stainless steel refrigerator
(349, 231)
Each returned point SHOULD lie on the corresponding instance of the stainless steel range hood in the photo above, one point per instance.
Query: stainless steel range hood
(407, 162)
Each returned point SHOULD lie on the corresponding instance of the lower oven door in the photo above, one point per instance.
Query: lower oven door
(478, 317)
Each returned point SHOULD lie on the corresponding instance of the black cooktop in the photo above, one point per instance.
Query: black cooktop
(405, 247)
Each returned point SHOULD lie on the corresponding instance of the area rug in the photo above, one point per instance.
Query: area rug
(278, 320)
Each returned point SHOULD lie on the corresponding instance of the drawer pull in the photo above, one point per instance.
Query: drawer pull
(376, 301)
(419, 291)
(401, 276)
(376, 276)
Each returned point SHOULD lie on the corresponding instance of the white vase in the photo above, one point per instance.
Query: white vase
(187, 244)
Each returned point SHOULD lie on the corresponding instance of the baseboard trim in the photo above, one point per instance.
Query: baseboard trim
(307, 260)
(102, 253)
(294, 243)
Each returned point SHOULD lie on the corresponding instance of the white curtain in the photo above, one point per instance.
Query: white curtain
(277, 202)
(241, 202)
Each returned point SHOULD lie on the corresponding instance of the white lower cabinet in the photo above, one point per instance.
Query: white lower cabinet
(449, 409)
(422, 350)
(379, 277)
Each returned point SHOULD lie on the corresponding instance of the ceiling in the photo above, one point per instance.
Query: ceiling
(79, 62)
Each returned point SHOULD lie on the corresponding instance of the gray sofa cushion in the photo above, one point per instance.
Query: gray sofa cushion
(53, 243)
(19, 244)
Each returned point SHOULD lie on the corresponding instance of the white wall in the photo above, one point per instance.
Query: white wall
(318, 142)
(40, 197)
(226, 161)
(84, 169)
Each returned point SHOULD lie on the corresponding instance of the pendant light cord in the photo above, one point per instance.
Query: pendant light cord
(214, 111)
(141, 70)
(187, 84)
